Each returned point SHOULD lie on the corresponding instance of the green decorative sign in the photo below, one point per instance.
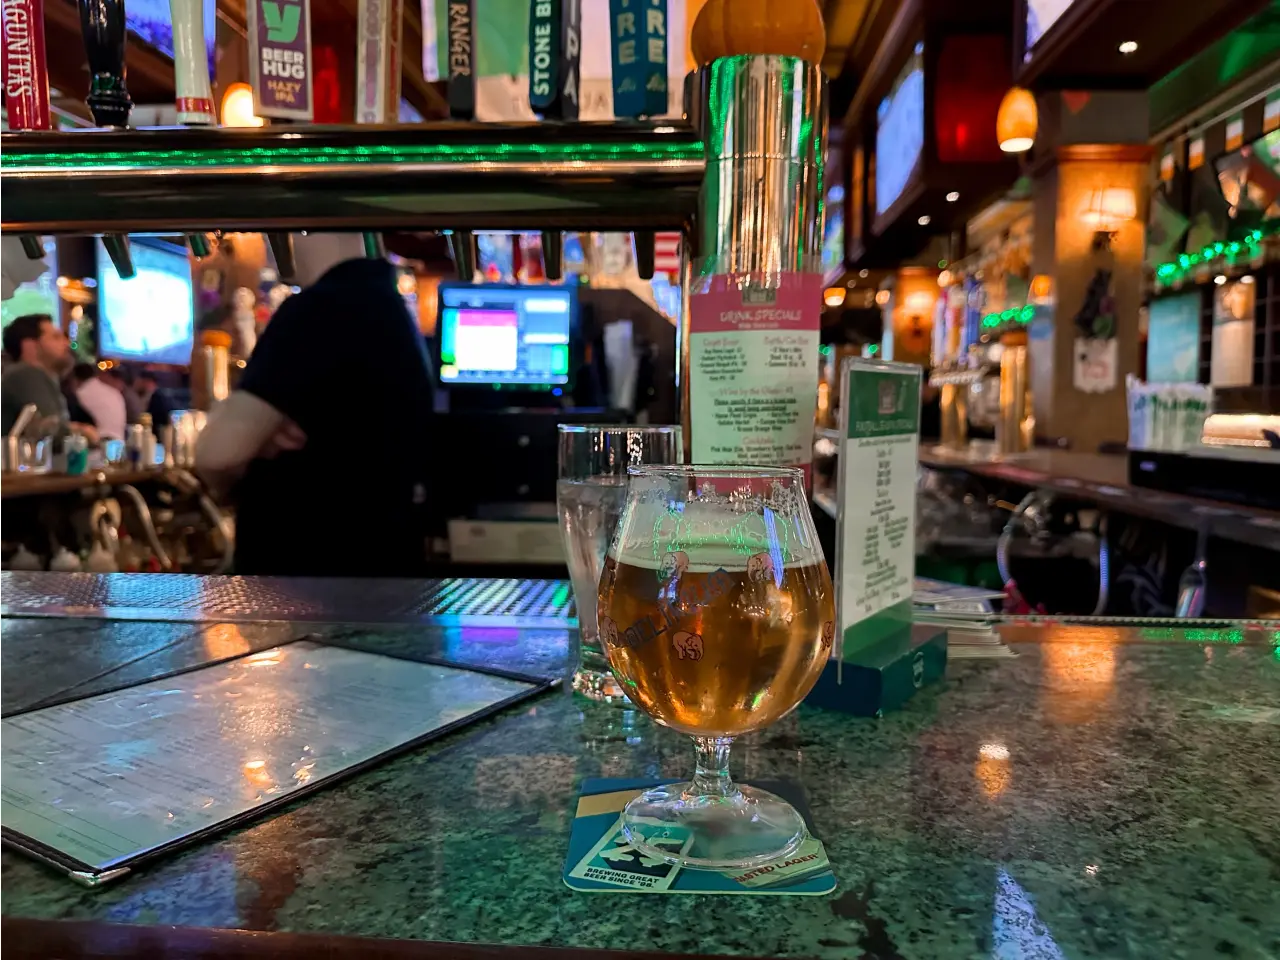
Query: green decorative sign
(882, 404)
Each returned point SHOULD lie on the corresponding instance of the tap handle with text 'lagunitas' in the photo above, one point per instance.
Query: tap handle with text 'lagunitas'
(193, 95)
(102, 23)
(26, 73)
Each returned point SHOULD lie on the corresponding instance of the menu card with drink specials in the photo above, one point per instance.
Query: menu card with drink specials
(753, 361)
(875, 542)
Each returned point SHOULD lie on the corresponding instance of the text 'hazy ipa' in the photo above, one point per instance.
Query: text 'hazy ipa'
(720, 646)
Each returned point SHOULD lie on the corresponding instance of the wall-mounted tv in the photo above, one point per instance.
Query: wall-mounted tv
(151, 317)
(1250, 179)
(152, 21)
(1041, 15)
(900, 132)
(36, 295)
(1173, 338)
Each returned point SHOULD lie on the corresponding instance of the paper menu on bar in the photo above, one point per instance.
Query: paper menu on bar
(753, 360)
(105, 779)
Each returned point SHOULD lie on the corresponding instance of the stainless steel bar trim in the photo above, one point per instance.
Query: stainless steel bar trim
(685, 169)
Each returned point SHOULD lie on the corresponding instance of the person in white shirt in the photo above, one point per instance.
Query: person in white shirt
(101, 401)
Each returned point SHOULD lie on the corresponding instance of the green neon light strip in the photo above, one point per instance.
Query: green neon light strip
(1188, 262)
(13, 160)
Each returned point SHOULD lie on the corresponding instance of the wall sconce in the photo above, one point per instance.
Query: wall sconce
(1107, 209)
(1017, 121)
(833, 296)
(919, 303)
(1041, 287)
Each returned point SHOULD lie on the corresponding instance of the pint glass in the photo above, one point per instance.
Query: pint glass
(589, 497)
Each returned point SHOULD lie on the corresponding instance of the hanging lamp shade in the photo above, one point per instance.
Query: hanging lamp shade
(728, 28)
(1017, 121)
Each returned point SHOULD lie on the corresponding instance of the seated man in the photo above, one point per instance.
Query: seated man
(40, 355)
(324, 443)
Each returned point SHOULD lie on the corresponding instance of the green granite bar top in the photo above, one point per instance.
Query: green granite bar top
(1089, 798)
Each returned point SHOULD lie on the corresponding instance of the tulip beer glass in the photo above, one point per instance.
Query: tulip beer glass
(717, 614)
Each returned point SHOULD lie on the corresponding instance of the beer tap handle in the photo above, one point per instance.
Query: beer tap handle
(553, 254)
(199, 244)
(117, 245)
(282, 250)
(460, 17)
(642, 244)
(375, 248)
(462, 247)
(555, 53)
(102, 23)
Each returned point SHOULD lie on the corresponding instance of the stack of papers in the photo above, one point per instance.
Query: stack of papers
(965, 612)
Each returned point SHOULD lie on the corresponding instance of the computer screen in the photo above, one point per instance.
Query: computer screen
(151, 317)
(506, 334)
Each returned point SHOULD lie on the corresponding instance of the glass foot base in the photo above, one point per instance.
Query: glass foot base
(739, 832)
(599, 685)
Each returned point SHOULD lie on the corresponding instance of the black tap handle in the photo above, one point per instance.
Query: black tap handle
(642, 245)
(102, 23)
(553, 254)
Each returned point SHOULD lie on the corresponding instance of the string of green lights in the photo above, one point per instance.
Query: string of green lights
(1213, 254)
(1167, 274)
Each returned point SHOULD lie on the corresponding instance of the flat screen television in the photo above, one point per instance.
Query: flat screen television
(900, 132)
(1173, 338)
(1249, 179)
(506, 334)
(1041, 15)
(150, 318)
(36, 295)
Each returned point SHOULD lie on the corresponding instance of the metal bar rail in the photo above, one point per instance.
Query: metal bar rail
(461, 176)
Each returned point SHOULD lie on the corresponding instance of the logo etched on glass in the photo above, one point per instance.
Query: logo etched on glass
(760, 568)
(688, 645)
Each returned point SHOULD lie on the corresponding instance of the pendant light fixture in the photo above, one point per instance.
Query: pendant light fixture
(1017, 121)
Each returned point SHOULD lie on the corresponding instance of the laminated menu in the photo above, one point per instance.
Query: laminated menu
(97, 784)
(875, 551)
(753, 367)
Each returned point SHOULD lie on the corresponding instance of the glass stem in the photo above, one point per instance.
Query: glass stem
(711, 776)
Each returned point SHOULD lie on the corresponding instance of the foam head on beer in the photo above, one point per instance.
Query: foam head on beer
(716, 608)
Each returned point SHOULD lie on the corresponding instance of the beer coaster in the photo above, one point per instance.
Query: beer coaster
(601, 860)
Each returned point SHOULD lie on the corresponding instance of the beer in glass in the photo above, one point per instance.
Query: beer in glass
(717, 614)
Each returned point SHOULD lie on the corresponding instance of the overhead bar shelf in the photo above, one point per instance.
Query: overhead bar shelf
(451, 175)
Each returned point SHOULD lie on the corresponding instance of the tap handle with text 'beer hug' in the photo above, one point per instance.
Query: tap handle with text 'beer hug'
(102, 23)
